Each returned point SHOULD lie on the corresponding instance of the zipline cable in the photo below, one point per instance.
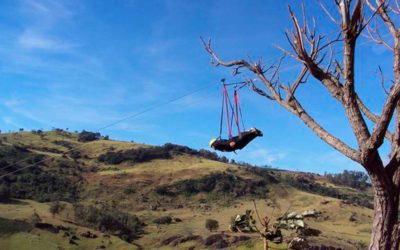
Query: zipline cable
(145, 111)
(151, 108)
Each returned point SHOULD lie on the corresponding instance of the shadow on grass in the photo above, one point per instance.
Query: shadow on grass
(8, 227)
(13, 202)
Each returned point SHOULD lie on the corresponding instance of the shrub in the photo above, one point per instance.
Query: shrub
(163, 190)
(164, 152)
(212, 225)
(128, 227)
(216, 183)
(135, 155)
(56, 207)
(35, 159)
(216, 240)
(163, 220)
(60, 180)
(75, 154)
(128, 190)
(4, 193)
(86, 136)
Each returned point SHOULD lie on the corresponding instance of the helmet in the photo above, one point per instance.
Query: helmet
(212, 141)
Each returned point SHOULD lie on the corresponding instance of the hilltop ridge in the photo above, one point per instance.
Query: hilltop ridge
(90, 177)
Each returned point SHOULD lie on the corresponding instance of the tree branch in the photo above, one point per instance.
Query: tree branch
(351, 28)
(295, 107)
(296, 83)
(382, 124)
(372, 117)
(382, 12)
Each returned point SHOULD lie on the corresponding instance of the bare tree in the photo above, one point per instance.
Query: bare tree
(316, 55)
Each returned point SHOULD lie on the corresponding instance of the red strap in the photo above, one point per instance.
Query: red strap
(227, 112)
(237, 105)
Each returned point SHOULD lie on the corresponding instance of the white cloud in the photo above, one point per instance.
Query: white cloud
(32, 40)
(12, 102)
(134, 127)
(50, 9)
(332, 157)
(265, 156)
(202, 100)
(10, 121)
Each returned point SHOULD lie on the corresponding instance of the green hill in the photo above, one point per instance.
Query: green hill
(107, 194)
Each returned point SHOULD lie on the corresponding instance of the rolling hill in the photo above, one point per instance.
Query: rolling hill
(63, 190)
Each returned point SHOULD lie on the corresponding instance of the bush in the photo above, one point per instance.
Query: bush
(127, 227)
(36, 159)
(128, 190)
(212, 225)
(56, 207)
(4, 193)
(164, 190)
(216, 241)
(164, 152)
(217, 183)
(75, 154)
(135, 155)
(86, 136)
(59, 180)
(163, 220)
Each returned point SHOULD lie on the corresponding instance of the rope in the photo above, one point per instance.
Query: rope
(222, 116)
(151, 108)
(226, 96)
(235, 111)
(235, 96)
(241, 116)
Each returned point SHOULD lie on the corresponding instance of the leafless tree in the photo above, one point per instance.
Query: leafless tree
(316, 55)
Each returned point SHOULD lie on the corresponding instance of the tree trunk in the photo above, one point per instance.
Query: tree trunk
(396, 237)
(384, 232)
(265, 243)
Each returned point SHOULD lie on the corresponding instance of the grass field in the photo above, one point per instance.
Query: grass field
(109, 184)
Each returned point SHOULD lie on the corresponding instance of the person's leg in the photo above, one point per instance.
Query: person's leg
(245, 138)
(257, 131)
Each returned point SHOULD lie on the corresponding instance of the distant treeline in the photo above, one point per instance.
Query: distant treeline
(311, 186)
(157, 152)
(354, 179)
(307, 183)
(83, 136)
(227, 183)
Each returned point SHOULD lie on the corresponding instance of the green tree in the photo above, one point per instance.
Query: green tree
(212, 225)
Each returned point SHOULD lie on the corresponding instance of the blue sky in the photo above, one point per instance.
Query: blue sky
(86, 64)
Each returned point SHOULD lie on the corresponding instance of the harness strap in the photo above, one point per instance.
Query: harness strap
(226, 97)
(236, 98)
(222, 115)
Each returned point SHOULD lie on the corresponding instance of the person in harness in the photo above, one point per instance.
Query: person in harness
(233, 114)
(236, 142)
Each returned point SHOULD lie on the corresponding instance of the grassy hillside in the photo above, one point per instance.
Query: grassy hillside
(102, 183)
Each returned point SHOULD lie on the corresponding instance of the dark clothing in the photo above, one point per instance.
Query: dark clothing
(240, 141)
